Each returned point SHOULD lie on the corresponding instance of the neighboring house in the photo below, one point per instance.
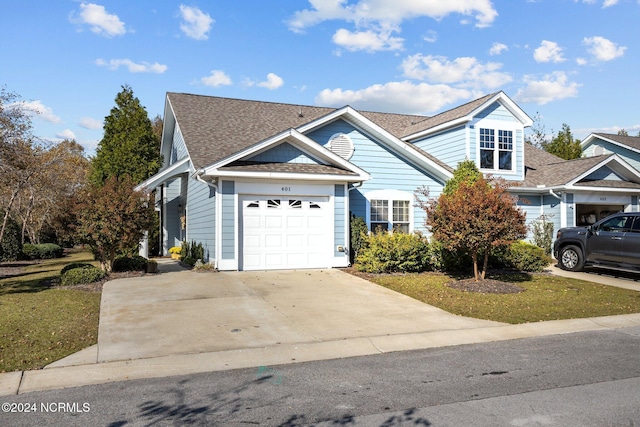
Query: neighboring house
(627, 147)
(270, 186)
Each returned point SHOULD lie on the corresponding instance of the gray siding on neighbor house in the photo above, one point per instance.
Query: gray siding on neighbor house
(284, 153)
(571, 213)
(535, 205)
(388, 171)
(228, 238)
(173, 230)
(629, 156)
(201, 217)
(603, 173)
(340, 225)
(178, 147)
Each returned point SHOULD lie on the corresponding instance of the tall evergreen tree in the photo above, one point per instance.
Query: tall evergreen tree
(564, 145)
(129, 145)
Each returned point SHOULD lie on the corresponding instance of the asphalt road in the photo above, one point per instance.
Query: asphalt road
(580, 379)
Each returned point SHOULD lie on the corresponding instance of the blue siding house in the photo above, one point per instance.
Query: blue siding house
(272, 186)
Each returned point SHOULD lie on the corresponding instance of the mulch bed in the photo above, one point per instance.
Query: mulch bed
(487, 286)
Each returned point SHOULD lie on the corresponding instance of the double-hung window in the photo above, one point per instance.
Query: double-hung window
(390, 215)
(494, 154)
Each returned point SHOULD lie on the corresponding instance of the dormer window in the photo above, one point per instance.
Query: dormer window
(496, 154)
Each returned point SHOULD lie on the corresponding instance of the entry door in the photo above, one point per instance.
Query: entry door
(285, 233)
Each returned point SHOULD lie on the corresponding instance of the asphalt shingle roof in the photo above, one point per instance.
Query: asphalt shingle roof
(214, 128)
(630, 141)
(248, 166)
(542, 168)
(446, 116)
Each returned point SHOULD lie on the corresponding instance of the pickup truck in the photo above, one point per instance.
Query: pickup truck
(613, 242)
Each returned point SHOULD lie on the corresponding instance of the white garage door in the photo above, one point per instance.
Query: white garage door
(285, 233)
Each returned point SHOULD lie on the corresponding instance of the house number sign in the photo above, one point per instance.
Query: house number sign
(286, 189)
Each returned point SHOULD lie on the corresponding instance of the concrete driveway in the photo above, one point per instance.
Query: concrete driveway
(187, 312)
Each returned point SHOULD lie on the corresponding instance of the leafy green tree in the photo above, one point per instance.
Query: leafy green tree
(623, 132)
(129, 145)
(112, 219)
(564, 145)
(467, 171)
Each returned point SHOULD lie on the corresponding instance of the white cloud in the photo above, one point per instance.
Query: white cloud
(431, 37)
(39, 110)
(216, 78)
(195, 23)
(548, 52)
(89, 123)
(133, 67)
(369, 40)
(368, 11)
(605, 3)
(498, 48)
(400, 97)
(552, 87)
(100, 21)
(66, 134)
(273, 82)
(465, 72)
(603, 49)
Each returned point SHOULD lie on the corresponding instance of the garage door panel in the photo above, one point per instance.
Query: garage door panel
(273, 241)
(285, 232)
(273, 221)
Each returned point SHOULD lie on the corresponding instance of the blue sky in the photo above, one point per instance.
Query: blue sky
(571, 61)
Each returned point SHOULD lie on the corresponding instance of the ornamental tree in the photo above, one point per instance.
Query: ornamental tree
(474, 218)
(112, 219)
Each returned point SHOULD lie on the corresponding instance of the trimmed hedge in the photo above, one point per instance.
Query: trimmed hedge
(393, 252)
(42, 251)
(524, 256)
(75, 265)
(79, 275)
(134, 263)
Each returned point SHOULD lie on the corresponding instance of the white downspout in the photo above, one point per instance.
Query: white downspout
(213, 185)
(563, 208)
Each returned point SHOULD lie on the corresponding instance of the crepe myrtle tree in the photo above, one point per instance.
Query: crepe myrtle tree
(474, 217)
(112, 219)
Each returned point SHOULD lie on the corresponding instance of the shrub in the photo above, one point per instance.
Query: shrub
(190, 252)
(74, 265)
(11, 247)
(393, 252)
(79, 275)
(133, 263)
(542, 230)
(42, 251)
(175, 249)
(445, 260)
(521, 256)
(358, 235)
(524, 256)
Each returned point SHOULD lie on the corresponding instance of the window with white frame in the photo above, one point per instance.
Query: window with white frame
(494, 154)
(389, 210)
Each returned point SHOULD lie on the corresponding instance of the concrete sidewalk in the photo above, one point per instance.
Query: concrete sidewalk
(185, 322)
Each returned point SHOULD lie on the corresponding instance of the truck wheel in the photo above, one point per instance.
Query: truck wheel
(571, 258)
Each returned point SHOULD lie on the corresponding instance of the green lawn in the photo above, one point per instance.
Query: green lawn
(545, 298)
(39, 324)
